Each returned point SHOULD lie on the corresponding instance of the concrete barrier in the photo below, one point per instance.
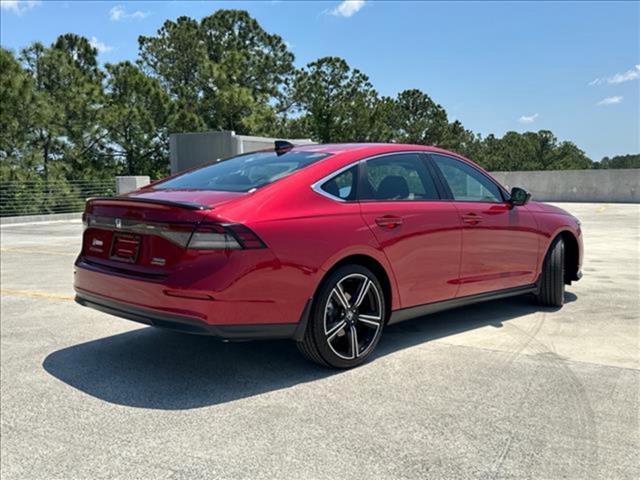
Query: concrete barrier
(51, 217)
(615, 186)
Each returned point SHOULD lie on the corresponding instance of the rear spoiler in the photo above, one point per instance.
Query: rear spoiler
(169, 203)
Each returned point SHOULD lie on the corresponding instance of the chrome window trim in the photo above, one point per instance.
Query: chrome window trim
(317, 186)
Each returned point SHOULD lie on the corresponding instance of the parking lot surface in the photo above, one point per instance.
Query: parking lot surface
(504, 389)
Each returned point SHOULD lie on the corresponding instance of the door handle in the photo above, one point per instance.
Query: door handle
(389, 221)
(471, 218)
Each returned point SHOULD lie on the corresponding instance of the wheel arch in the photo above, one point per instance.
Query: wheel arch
(373, 264)
(571, 254)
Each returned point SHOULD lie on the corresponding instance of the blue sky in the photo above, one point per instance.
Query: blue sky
(571, 67)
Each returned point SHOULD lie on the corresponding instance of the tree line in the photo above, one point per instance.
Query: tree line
(65, 117)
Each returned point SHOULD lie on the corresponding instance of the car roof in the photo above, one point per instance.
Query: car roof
(366, 148)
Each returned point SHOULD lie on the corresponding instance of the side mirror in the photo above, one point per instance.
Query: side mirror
(519, 196)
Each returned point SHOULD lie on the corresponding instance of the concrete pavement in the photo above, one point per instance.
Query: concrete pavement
(499, 390)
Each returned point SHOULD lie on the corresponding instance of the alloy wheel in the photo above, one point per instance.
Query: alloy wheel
(353, 316)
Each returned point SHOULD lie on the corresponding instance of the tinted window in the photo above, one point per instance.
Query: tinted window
(244, 172)
(397, 177)
(342, 185)
(465, 182)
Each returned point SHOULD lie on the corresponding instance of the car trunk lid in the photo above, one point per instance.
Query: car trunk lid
(147, 232)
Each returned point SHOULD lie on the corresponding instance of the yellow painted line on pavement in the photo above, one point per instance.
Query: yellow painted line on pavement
(602, 209)
(38, 251)
(35, 294)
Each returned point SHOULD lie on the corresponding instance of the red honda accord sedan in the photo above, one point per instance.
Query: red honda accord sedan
(323, 244)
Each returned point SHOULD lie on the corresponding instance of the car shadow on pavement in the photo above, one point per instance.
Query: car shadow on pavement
(158, 369)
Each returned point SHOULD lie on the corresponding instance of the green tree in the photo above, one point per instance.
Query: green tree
(544, 143)
(619, 161)
(418, 119)
(531, 151)
(16, 114)
(251, 67)
(45, 138)
(50, 133)
(513, 151)
(82, 106)
(461, 140)
(80, 52)
(569, 157)
(336, 103)
(177, 57)
(68, 92)
(136, 115)
(225, 72)
(379, 114)
(21, 185)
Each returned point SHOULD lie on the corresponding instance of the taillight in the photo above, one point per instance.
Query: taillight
(207, 236)
(245, 236)
(224, 237)
(178, 234)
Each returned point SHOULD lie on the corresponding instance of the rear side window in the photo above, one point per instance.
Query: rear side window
(465, 182)
(244, 172)
(343, 185)
(402, 176)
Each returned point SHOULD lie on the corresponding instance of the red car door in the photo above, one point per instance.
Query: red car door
(419, 233)
(499, 242)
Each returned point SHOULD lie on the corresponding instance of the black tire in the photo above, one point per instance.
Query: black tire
(551, 288)
(329, 337)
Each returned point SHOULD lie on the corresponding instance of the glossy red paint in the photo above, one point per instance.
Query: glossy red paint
(429, 250)
(500, 247)
(424, 250)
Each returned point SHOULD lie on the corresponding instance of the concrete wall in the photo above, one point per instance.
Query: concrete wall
(577, 185)
(50, 217)
(129, 183)
(188, 150)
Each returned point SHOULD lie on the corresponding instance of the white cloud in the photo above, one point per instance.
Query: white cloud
(632, 74)
(610, 100)
(528, 118)
(18, 6)
(118, 13)
(347, 8)
(626, 76)
(101, 47)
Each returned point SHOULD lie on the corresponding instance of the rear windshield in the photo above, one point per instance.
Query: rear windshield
(244, 172)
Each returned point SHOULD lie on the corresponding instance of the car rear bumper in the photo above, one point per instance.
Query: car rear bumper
(186, 324)
(253, 311)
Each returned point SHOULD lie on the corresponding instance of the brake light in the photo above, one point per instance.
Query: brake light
(224, 237)
(207, 236)
(246, 237)
(178, 234)
(213, 237)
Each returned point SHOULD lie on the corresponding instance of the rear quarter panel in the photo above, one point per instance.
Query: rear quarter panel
(307, 234)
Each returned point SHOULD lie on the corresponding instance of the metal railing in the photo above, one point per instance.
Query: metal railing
(34, 197)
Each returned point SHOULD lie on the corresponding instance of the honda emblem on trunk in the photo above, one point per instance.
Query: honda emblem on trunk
(118, 223)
